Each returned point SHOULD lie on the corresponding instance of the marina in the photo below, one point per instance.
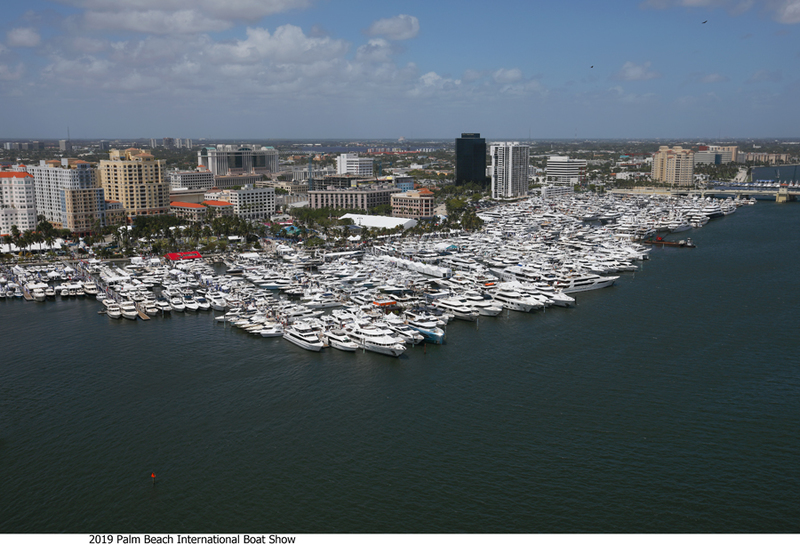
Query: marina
(530, 256)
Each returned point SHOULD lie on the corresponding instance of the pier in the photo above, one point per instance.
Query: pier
(781, 195)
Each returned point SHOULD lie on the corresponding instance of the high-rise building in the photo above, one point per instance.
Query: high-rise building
(509, 169)
(200, 178)
(55, 183)
(470, 158)
(153, 143)
(135, 179)
(65, 145)
(168, 142)
(226, 160)
(17, 202)
(562, 170)
(351, 163)
(673, 166)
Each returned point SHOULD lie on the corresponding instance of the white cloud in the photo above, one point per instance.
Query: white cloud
(783, 11)
(155, 22)
(787, 11)
(23, 37)
(399, 27)
(631, 71)
(7, 74)
(713, 78)
(239, 10)
(376, 50)
(288, 44)
(507, 76)
(766, 76)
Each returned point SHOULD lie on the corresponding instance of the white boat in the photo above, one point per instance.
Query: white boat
(338, 339)
(163, 306)
(375, 340)
(177, 304)
(128, 309)
(203, 303)
(515, 300)
(190, 305)
(113, 311)
(271, 329)
(457, 308)
(304, 336)
(584, 282)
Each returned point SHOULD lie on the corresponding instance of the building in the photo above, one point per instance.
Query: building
(64, 145)
(300, 174)
(470, 158)
(351, 163)
(233, 181)
(53, 179)
(199, 178)
(135, 179)
(251, 203)
(17, 202)
(115, 214)
(509, 170)
(413, 204)
(353, 198)
(224, 160)
(674, 166)
(557, 191)
(220, 208)
(562, 170)
(11, 145)
(84, 210)
(761, 157)
(188, 210)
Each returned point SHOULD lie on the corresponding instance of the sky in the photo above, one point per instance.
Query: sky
(352, 69)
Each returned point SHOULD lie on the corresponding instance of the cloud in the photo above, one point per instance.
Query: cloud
(23, 37)
(783, 11)
(399, 27)
(376, 50)
(699, 77)
(787, 11)
(765, 76)
(229, 10)
(507, 76)
(288, 44)
(631, 71)
(155, 22)
(7, 74)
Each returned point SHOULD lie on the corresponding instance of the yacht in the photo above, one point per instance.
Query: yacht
(376, 340)
(271, 329)
(457, 308)
(113, 311)
(337, 338)
(128, 309)
(514, 300)
(177, 304)
(584, 282)
(304, 336)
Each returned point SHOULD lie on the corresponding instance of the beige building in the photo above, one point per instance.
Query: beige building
(413, 204)
(135, 179)
(354, 198)
(674, 166)
(188, 210)
(84, 209)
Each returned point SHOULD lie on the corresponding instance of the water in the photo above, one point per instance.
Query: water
(668, 403)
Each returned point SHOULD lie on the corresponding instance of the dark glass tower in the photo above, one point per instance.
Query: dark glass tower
(470, 158)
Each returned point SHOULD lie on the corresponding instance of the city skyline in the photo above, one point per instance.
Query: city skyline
(297, 69)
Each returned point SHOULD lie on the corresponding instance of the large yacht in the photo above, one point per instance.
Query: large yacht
(376, 340)
(304, 336)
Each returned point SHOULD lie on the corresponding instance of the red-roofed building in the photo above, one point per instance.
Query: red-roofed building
(188, 210)
(221, 208)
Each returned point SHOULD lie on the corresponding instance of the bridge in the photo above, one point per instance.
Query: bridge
(782, 194)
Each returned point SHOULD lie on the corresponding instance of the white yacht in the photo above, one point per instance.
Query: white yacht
(128, 309)
(113, 311)
(271, 329)
(457, 308)
(375, 340)
(584, 282)
(177, 304)
(515, 300)
(338, 339)
(304, 336)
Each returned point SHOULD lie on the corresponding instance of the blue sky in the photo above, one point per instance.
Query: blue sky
(363, 69)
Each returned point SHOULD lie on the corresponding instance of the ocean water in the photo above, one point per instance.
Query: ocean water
(667, 403)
